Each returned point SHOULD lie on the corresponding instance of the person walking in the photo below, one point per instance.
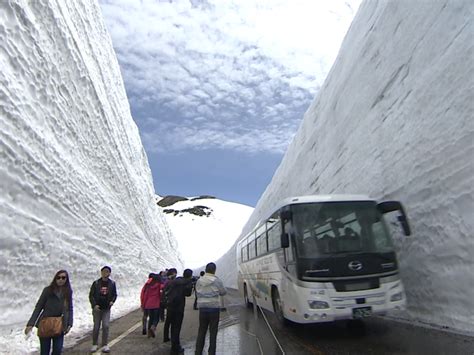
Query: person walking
(102, 296)
(195, 307)
(177, 291)
(164, 281)
(145, 315)
(150, 303)
(53, 306)
(209, 289)
(171, 275)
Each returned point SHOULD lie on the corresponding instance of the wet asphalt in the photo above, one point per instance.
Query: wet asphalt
(242, 332)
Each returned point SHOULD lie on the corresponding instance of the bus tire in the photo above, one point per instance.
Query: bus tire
(247, 302)
(277, 307)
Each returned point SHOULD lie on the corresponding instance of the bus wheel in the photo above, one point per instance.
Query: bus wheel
(246, 297)
(278, 307)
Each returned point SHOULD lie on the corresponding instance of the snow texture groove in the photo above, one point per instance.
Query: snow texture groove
(394, 121)
(75, 187)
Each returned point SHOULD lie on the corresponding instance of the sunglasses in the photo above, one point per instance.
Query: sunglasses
(61, 277)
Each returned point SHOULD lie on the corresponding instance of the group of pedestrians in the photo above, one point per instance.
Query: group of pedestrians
(162, 293)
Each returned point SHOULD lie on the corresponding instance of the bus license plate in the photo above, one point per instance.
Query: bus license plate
(361, 312)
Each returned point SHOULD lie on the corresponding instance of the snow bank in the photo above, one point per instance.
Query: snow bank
(394, 121)
(205, 238)
(75, 187)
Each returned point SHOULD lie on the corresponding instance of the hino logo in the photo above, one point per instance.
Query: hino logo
(355, 265)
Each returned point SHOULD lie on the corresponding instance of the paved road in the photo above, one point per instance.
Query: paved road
(373, 336)
(126, 338)
(241, 332)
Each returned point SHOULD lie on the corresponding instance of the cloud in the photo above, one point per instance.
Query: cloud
(228, 74)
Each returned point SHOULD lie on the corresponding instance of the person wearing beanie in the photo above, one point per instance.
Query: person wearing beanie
(176, 292)
(170, 276)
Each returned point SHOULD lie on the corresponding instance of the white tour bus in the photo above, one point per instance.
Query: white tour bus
(323, 258)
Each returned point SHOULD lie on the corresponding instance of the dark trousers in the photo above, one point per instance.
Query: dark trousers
(207, 320)
(162, 313)
(176, 320)
(45, 345)
(153, 316)
(166, 327)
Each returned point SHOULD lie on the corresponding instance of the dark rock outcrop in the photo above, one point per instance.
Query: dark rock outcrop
(196, 210)
(203, 197)
(170, 200)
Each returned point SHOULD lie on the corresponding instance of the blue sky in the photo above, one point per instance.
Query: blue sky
(218, 88)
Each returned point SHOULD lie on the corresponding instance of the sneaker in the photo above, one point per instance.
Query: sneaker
(106, 349)
(144, 331)
(94, 348)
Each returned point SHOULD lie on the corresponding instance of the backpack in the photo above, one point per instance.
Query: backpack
(169, 294)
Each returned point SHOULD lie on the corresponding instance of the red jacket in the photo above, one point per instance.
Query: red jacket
(150, 296)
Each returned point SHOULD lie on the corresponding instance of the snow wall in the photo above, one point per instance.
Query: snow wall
(76, 190)
(394, 120)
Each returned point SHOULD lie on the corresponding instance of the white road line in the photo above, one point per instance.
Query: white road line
(271, 330)
(120, 337)
(256, 338)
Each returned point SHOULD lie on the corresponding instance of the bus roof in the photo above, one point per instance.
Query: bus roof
(322, 198)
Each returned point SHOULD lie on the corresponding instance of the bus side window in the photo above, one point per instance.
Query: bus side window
(262, 244)
(245, 255)
(274, 232)
(252, 250)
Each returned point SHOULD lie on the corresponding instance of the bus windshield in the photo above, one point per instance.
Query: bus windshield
(323, 229)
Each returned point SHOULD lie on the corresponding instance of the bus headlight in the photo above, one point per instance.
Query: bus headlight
(318, 304)
(396, 297)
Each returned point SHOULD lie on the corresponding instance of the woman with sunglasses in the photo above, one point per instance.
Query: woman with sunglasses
(55, 301)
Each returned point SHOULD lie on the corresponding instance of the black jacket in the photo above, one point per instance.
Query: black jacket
(94, 293)
(176, 292)
(51, 304)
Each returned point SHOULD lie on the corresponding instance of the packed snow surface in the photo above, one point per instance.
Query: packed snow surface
(205, 238)
(75, 187)
(394, 120)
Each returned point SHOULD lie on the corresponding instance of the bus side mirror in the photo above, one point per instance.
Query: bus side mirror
(404, 222)
(285, 240)
(285, 216)
(391, 206)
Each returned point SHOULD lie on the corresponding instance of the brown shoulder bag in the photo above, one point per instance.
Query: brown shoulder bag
(50, 327)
